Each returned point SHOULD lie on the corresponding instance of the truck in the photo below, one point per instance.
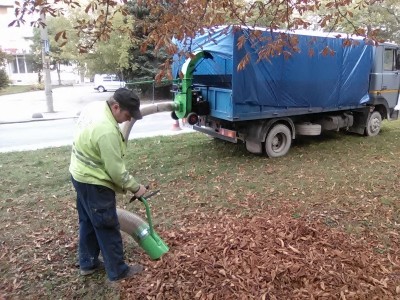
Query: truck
(331, 82)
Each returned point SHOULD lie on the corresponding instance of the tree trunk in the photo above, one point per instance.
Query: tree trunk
(46, 65)
(58, 72)
(39, 77)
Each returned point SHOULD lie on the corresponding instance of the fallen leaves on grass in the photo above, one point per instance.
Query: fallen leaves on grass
(230, 257)
(39, 251)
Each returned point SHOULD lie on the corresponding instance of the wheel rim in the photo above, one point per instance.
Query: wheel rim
(375, 125)
(278, 142)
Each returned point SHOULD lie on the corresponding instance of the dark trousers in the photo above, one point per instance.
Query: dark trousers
(99, 229)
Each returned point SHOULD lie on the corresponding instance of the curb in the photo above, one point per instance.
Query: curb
(36, 120)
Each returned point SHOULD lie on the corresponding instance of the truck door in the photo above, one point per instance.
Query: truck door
(391, 76)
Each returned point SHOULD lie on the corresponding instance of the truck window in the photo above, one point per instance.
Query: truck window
(106, 78)
(389, 60)
(398, 60)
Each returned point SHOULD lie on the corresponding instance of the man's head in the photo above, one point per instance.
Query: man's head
(125, 104)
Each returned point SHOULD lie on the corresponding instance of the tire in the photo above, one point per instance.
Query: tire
(174, 116)
(308, 129)
(374, 124)
(278, 141)
(192, 118)
(101, 89)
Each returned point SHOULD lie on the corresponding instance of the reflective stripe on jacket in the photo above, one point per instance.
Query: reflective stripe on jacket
(98, 151)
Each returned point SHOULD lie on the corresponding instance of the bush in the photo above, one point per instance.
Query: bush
(4, 80)
(37, 87)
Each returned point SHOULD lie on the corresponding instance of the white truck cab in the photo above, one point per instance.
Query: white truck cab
(107, 82)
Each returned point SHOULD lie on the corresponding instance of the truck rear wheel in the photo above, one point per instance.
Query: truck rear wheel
(374, 124)
(278, 141)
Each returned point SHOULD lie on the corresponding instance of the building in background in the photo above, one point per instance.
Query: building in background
(16, 41)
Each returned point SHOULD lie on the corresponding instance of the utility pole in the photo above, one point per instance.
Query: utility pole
(46, 64)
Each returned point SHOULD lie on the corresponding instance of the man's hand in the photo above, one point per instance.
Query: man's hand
(141, 191)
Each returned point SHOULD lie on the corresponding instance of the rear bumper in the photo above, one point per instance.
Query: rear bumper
(226, 135)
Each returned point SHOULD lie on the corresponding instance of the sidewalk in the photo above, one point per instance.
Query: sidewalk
(31, 106)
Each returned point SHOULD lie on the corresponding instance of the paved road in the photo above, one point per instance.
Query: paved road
(19, 132)
(43, 134)
(35, 135)
(67, 102)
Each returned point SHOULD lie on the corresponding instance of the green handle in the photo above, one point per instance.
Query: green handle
(148, 215)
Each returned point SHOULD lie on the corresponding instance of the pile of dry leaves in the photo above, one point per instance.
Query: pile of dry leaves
(232, 257)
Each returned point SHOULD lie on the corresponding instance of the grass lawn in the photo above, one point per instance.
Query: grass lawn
(322, 222)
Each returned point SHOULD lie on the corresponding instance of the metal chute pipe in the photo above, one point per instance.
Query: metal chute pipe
(147, 110)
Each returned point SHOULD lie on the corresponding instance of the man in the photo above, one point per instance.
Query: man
(98, 172)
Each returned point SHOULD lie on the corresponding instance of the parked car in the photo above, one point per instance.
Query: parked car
(107, 82)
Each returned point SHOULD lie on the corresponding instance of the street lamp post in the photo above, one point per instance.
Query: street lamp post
(46, 65)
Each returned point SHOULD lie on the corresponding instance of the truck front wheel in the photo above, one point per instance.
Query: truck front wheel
(374, 124)
(278, 141)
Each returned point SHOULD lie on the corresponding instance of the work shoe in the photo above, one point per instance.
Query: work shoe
(100, 266)
(132, 271)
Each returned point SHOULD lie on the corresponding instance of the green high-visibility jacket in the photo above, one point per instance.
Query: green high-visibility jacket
(98, 151)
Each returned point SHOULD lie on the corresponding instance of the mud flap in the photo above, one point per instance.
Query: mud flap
(254, 146)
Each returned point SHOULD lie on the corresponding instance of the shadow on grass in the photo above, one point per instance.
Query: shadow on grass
(326, 137)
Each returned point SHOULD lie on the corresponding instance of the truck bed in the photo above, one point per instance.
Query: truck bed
(222, 107)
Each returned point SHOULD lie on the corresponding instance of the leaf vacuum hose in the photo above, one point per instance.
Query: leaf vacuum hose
(147, 110)
(132, 224)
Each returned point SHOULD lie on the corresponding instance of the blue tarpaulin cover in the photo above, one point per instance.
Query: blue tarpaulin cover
(301, 81)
